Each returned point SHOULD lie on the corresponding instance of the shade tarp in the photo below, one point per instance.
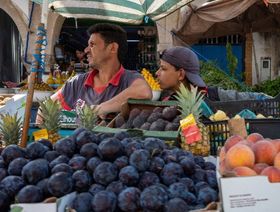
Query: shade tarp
(126, 11)
(225, 17)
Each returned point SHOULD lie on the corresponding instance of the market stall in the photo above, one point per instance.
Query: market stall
(153, 156)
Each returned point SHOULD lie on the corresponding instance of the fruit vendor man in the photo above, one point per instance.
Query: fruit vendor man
(181, 65)
(108, 84)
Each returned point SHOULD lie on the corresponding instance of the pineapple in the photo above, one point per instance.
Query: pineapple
(10, 129)
(189, 102)
(50, 113)
(88, 117)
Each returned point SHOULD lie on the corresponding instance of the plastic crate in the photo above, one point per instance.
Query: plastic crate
(267, 107)
(219, 131)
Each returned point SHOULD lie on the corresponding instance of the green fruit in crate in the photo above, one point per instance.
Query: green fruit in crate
(189, 102)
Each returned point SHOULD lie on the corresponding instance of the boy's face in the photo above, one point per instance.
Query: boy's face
(168, 76)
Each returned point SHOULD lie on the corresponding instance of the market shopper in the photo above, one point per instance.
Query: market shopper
(181, 65)
(109, 84)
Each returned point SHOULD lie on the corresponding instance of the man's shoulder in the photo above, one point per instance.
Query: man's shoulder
(128, 72)
(79, 77)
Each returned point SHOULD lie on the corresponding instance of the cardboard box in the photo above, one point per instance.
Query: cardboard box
(58, 206)
(254, 193)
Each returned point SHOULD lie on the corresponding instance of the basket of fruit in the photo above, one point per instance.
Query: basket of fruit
(154, 84)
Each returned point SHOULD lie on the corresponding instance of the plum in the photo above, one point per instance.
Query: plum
(89, 150)
(157, 164)
(105, 173)
(104, 201)
(129, 199)
(77, 163)
(15, 167)
(58, 160)
(92, 164)
(116, 187)
(82, 202)
(62, 167)
(129, 175)
(12, 152)
(82, 138)
(153, 198)
(140, 159)
(95, 188)
(65, 146)
(60, 184)
(171, 173)
(46, 143)
(121, 162)
(36, 150)
(30, 194)
(110, 149)
(51, 155)
(35, 170)
(148, 179)
(11, 185)
(82, 180)
(176, 205)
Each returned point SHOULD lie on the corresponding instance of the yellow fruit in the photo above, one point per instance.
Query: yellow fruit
(260, 116)
(220, 116)
(237, 116)
(50, 79)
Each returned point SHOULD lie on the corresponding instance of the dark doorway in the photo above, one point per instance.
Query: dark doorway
(11, 67)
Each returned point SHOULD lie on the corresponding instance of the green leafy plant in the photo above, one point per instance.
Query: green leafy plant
(231, 60)
(214, 76)
(270, 87)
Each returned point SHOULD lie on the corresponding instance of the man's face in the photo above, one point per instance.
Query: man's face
(168, 76)
(97, 51)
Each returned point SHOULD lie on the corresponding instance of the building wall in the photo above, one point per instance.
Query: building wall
(265, 46)
(19, 11)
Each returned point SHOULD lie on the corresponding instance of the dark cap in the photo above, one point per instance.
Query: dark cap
(185, 58)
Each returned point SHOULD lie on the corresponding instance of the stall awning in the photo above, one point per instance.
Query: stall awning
(226, 17)
(126, 11)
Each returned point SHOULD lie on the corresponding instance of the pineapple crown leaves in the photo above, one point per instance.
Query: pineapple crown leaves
(189, 101)
(50, 113)
(88, 116)
(10, 128)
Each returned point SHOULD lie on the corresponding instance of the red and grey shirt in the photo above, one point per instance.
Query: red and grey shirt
(80, 89)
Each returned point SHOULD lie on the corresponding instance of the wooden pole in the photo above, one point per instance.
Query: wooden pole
(30, 92)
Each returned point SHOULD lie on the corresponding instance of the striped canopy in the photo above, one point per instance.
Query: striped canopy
(126, 11)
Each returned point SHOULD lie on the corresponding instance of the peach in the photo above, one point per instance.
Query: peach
(276, 143)
(247, 143)
(277, 161)
(244, 171)
(258, 167)
(254, 137)
(240, 155)
(273, 174)
(231, 141)
(264, 152)
(222, 167)
(222, 153)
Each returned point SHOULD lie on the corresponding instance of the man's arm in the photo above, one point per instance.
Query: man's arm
(139, 89)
